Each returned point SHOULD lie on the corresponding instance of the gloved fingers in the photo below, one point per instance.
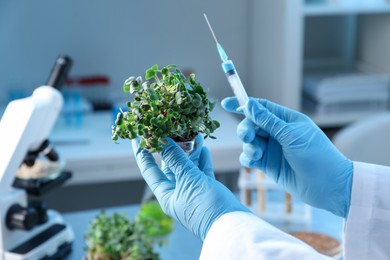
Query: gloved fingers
(176, 159)
(255, 149)
(266, 120)
(280, 111)
(154, 177)
(231, 104)
(247, 131)
(167, 172)
(195, 154)
(194, 157)
(248, 162)
(205, 163)
(272, 161)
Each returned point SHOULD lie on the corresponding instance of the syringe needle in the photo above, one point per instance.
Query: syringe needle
(211, 29)
(221, 51)
(230, 71)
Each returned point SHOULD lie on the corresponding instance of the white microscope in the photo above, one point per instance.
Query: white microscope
(29, 230)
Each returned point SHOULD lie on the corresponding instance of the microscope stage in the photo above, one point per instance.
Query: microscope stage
(39, 186)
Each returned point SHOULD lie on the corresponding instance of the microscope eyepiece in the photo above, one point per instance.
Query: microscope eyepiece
(60, 71)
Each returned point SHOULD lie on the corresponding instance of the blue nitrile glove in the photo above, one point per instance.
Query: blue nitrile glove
(200, 156)
(191, 195)
(203, 162)
(290, 148)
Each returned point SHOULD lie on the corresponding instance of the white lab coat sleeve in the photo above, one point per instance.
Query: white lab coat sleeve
(242, 235)
(367, 227)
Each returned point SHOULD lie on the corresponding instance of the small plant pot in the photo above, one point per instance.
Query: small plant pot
(187, 146)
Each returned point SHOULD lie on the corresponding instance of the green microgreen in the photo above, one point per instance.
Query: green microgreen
(116, 237)
(167, 104)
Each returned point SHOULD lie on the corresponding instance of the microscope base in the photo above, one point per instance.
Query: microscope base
(53, 242)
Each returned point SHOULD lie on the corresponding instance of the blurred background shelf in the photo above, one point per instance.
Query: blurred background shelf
(316, 36)
(330, 7)
(337, 120)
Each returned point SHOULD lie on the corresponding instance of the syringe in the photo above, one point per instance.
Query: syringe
(230, 71)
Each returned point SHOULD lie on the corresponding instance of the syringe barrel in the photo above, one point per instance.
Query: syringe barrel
(235, 82)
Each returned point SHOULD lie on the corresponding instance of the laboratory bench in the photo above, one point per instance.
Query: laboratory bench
(182, 244)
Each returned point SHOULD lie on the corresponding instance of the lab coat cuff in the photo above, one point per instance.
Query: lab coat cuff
(368, 222)
(243, 235)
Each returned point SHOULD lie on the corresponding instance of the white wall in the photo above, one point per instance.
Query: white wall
(374, 39)
(119, 38)
(276, 46)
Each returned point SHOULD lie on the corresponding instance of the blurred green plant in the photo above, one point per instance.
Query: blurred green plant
(150, 214)
(167, 104)
(116, 237)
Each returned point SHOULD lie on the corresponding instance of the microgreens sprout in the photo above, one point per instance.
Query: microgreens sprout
(167, 104)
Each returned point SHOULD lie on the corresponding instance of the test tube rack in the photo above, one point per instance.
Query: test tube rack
(269, 201)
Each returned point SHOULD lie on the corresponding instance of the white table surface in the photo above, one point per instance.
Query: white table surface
(93, 157)
(181, 243)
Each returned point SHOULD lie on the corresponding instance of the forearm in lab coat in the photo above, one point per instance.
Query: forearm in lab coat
(242, 235)
(367, 228)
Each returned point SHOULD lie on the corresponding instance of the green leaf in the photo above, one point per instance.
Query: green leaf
(197, 101)
(178, 98)
(145, 107)
(152, 94)
(126, 88)
(129, 127)
(134, 87)
(145, 85)
(175, 114)
(182, 76)
(132, 135)
(142, 144)
(129, 80)
(192, 79)
(139, 80)
(211, 105)
(149, 74)
(186, 111)
(171, 66)
(153, 121)
(159, 132)
(165, 72)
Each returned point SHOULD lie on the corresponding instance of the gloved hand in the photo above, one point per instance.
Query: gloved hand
(292, 150)
(200, 156)
(187, 192)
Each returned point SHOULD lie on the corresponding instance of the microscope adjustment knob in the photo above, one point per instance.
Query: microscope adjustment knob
(41, 209)
(19, 217)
